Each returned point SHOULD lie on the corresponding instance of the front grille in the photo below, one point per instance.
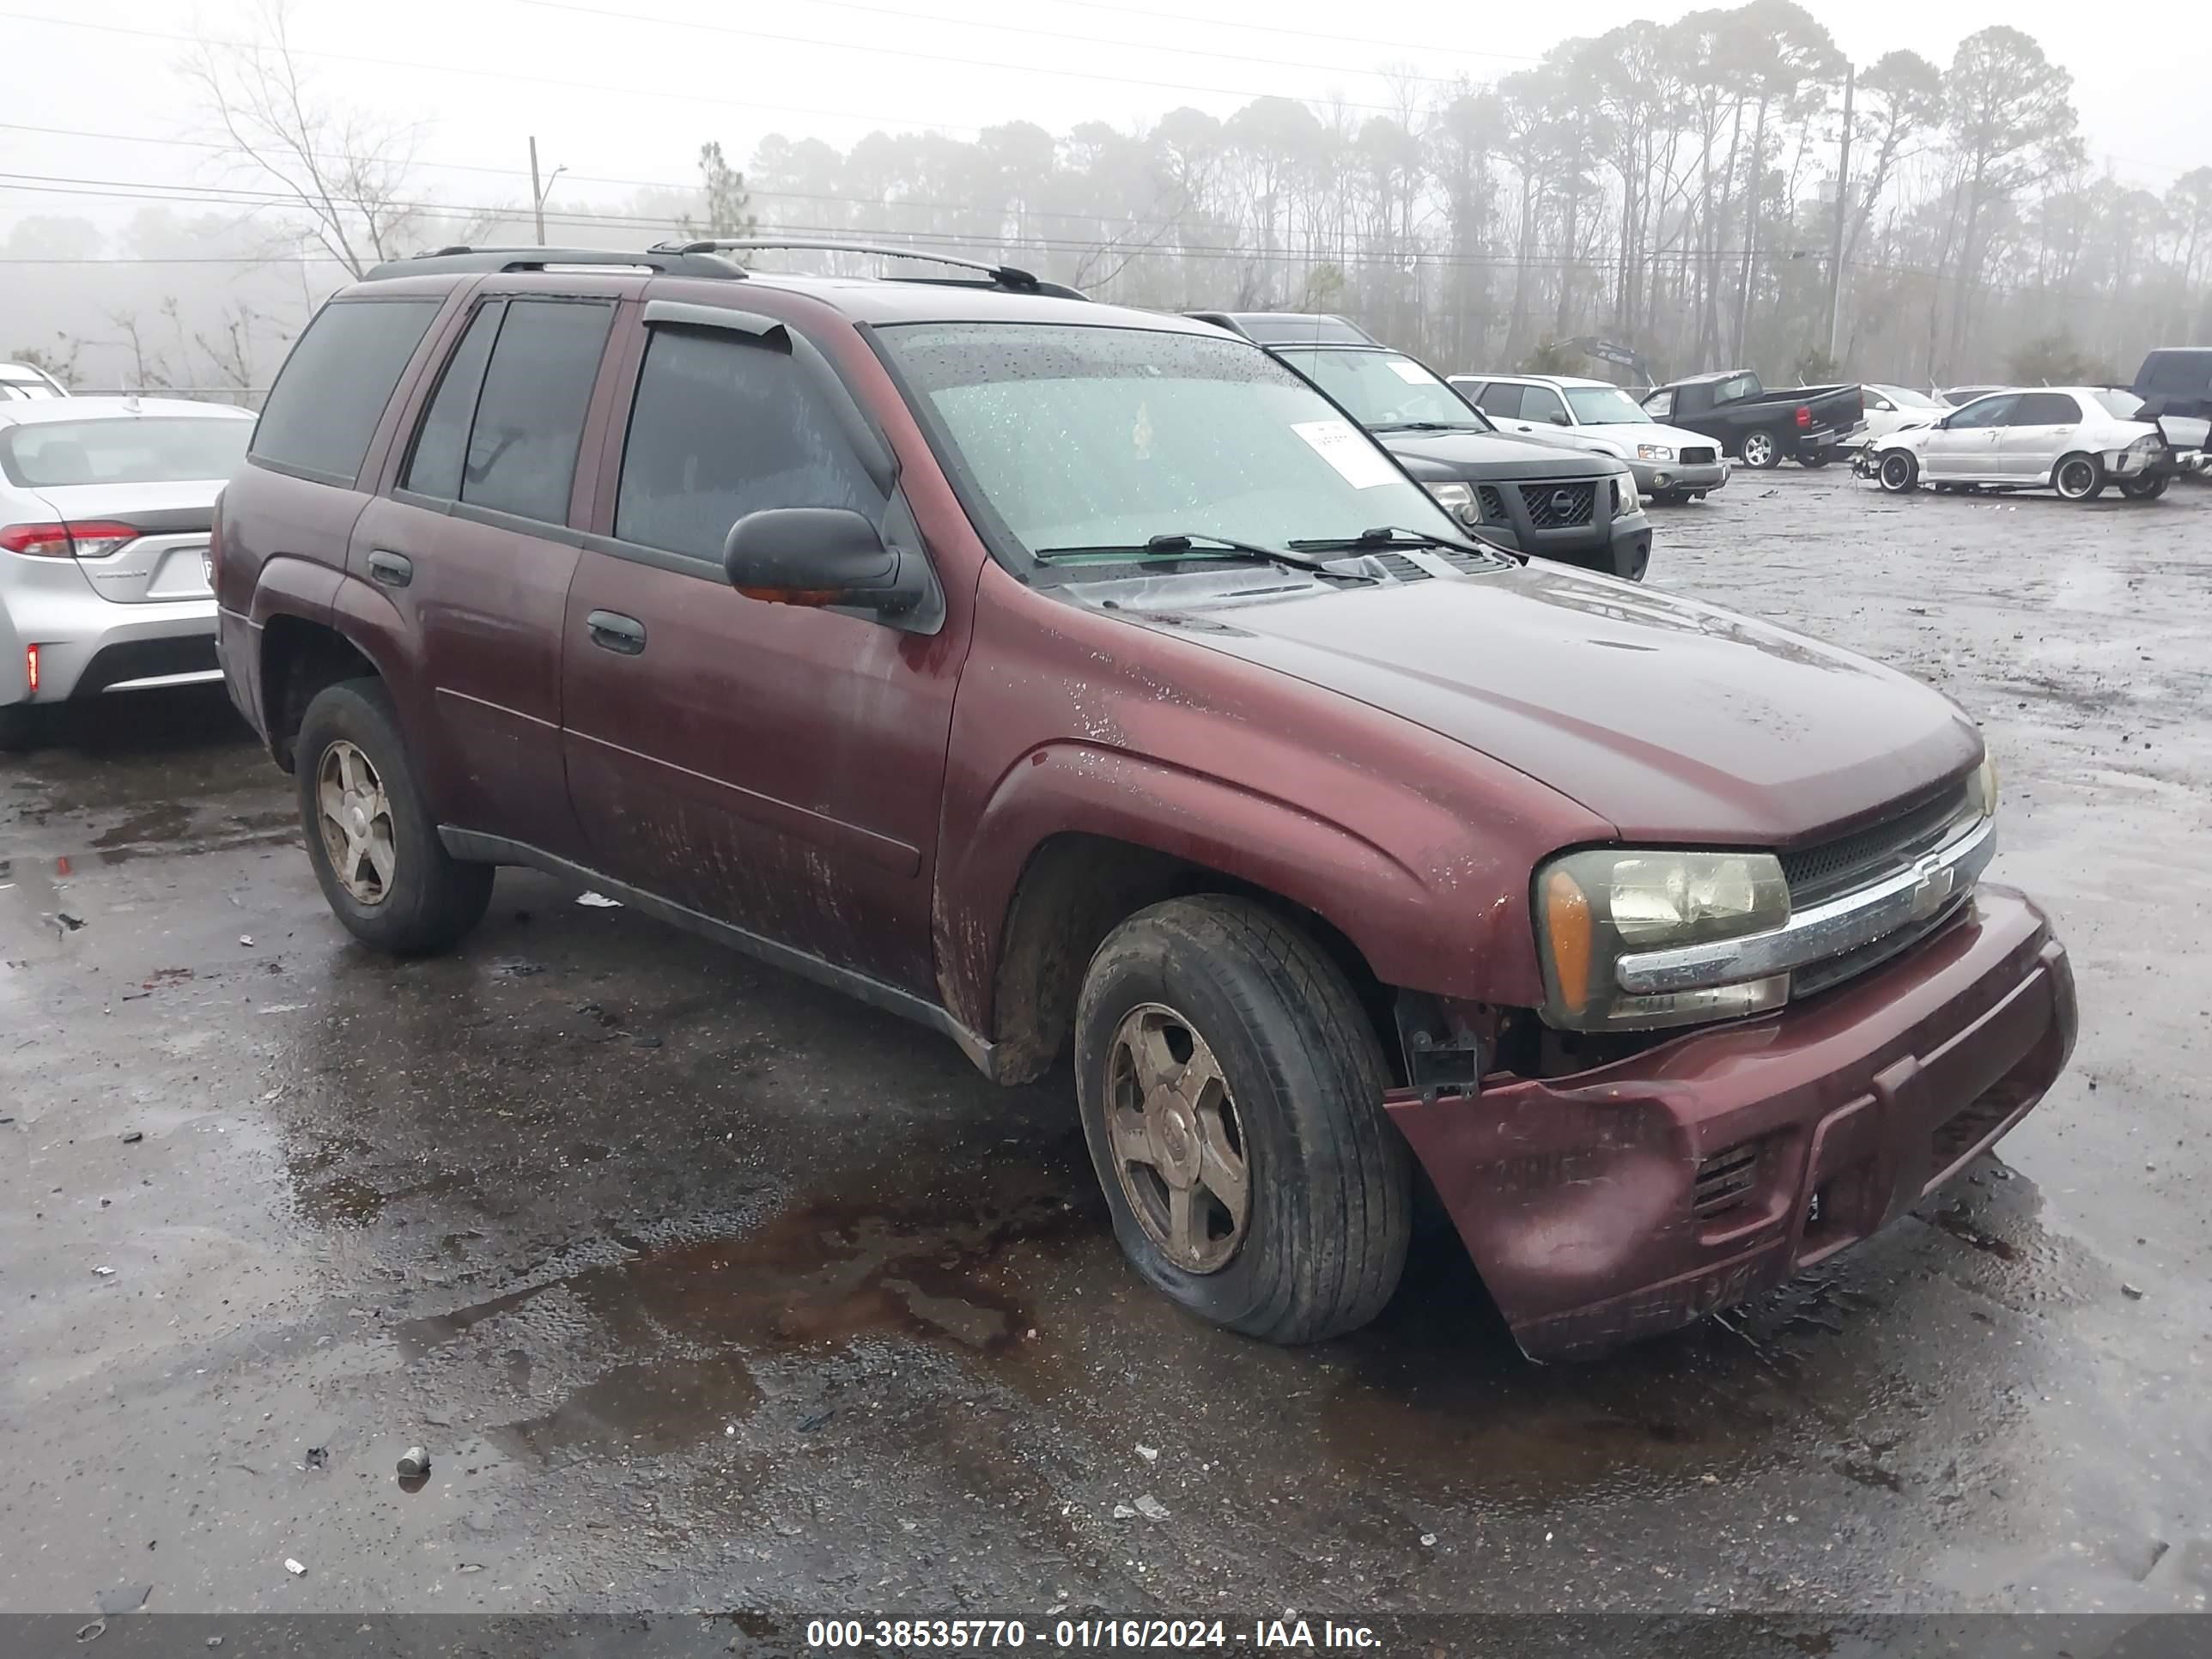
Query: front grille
(1811, 979)
(1493, 505)
(1560, 506)
(1699, 457)
(1723, 1179)
(1864, 856)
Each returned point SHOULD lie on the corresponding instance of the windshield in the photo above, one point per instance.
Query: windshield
(148, 449)
(1905, 398)
(1605, 405)
(2121, 405)
(1384, 389)
(1103, 438)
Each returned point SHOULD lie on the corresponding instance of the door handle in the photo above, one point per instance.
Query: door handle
(392, 569)
(611, 631)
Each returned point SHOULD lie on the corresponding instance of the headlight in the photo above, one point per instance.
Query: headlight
(1982, 787)
(1458, 500)
(1653, 452)
(1593, 908)
(1624, 494)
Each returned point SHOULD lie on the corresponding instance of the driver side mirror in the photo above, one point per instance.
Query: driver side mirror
(821, 557)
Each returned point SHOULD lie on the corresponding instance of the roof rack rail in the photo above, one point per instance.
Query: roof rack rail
(1007, 277)
(699, 260)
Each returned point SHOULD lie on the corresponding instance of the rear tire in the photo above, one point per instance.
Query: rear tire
(2145, 489)
(1898, 472)
(369, 832)
(1760, 450)
(1222, 999)
(1813, 459)
(2079, 477)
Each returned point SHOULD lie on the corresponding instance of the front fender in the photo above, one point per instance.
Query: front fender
(1416, 849)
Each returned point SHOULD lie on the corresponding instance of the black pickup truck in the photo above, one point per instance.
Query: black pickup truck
(1807, 424)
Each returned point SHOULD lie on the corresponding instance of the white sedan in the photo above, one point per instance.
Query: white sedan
(2073, 438)
(1893, 408)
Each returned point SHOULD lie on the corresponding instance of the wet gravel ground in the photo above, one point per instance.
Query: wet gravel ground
(707, 1288)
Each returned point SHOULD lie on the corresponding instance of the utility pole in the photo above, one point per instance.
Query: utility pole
(537, 193)
(1842, 213)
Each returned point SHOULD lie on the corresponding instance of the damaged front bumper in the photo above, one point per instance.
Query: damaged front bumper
(1639, 1197)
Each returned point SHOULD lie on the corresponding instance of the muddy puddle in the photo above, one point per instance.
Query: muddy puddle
(806, 1282)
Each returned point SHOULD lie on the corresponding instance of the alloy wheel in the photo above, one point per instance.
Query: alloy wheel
(1179, 1147)
(355, 816)
(2077, 478)
(1758, 450)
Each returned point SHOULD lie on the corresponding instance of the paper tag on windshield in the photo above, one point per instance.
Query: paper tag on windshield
(1411, 374)
(1351, 453)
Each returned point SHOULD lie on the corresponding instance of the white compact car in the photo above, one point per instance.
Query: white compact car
(2073, 438)
(27, 381)
(105, 509)
(1893, 408)
(1671, 464)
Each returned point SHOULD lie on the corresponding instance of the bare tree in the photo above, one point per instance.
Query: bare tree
(342, 178)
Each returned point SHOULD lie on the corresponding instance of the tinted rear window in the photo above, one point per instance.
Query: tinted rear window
(530, 416)
(435, 468)
(323, 409)
(2178, 372)
(2044, 409)
(151, 449)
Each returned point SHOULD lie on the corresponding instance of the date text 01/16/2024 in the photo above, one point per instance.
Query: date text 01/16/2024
(897, 1635)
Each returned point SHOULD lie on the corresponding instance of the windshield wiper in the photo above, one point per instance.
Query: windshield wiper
(1183, 545)
(1429, 426)
(1385, 536)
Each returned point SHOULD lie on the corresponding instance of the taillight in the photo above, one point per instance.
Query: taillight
(31, 669)
(1804, 414)
(86, 539)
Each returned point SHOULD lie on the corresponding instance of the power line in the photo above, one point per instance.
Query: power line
(1183, 19)
(662, 94)
(1682, 259)
(633, 18)
(1061, 35)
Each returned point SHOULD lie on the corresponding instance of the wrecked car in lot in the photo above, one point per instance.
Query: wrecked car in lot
(2075, 440)
(1076, 679)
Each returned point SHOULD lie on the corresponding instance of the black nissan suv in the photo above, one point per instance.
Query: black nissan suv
(1525, 494)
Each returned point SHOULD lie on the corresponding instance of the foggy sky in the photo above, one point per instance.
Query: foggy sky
(621, 98)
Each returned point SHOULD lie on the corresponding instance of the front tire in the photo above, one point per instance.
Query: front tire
(370, 835)
(1671, 497)
(1231, 1089)
(1761, 450)
(1899, 472)
(2146, 489)
(2079, 477)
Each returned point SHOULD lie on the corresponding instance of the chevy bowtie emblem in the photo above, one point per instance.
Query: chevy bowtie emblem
(1934, 887)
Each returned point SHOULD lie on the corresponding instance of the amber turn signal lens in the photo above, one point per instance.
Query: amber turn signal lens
(1567, 926)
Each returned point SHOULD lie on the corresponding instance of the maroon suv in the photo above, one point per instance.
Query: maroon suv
(1064, 677)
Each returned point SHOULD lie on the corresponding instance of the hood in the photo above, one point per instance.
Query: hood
(1438, 457)
(1675, 721)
